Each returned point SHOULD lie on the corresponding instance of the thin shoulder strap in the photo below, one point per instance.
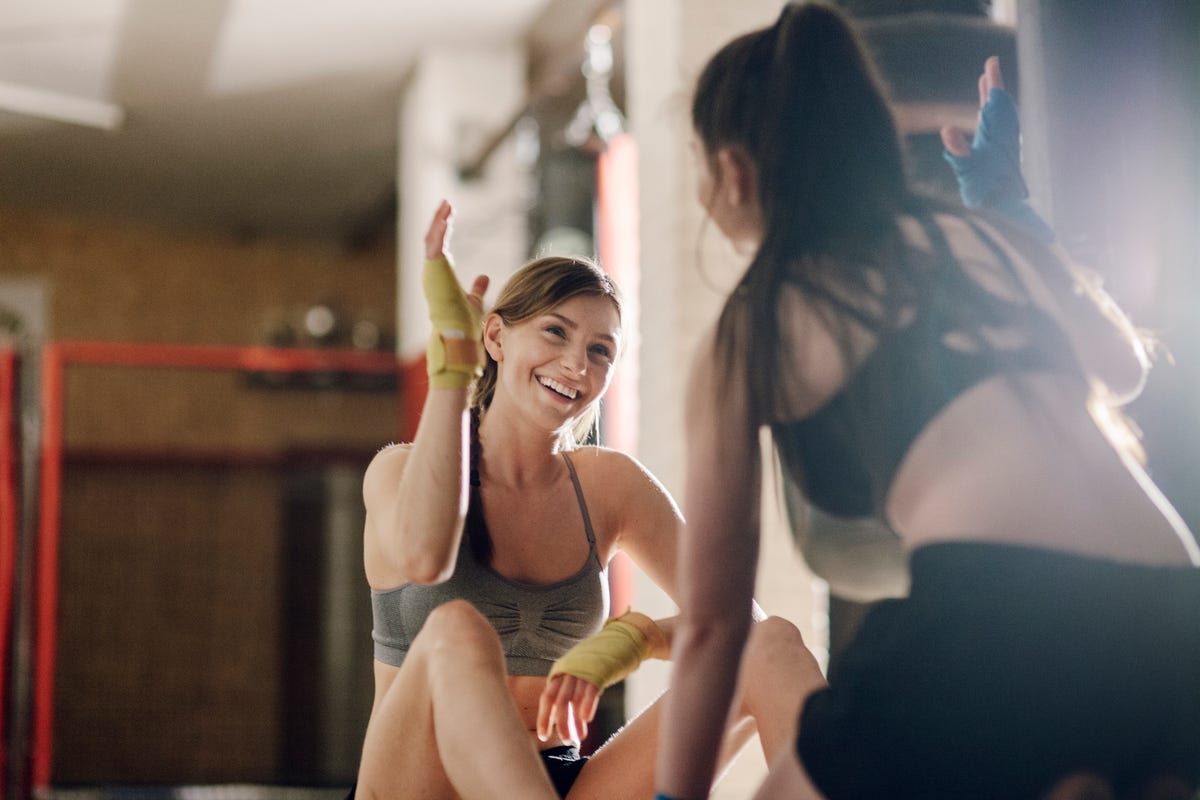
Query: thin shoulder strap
(583, 509)
(937, 238)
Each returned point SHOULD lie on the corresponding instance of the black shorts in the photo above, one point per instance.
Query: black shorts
(1006, 669)
(563, 765)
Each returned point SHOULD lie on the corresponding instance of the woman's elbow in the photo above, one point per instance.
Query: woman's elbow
(1121, 377)
(704, 631)
(413, 561)
(426, 568)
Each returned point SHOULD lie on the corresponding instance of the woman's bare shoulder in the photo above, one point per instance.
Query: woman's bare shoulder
(606, 463)
(621, 477)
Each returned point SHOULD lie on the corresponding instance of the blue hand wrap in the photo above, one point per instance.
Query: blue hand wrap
(991, 176)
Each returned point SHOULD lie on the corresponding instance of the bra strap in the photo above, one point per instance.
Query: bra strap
(587, 519)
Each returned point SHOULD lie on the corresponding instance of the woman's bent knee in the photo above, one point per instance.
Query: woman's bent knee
(457, 630)
(778, 669)
(775, 639)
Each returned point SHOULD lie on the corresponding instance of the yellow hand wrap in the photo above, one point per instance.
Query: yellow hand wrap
(606, 657)
(455, 354)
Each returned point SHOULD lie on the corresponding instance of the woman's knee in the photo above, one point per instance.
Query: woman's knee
(777, 666)
(775, 642)
(456, 630)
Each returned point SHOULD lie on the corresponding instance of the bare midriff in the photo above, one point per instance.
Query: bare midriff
(527, 691)
(1053, 480)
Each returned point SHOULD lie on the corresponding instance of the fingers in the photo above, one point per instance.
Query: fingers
(955, 142)
(558, 722)
(565, 708)
(555, 720)
(546, 706)
(439, 230)
(577, 722)
(991, 78)
(575, 728)
(991, 71)
(478, 290)
(565, 718)
(590, 703)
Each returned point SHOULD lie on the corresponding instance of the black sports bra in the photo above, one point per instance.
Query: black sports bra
(845, 455)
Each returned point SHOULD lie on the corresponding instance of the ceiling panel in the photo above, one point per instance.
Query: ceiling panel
(276, 116)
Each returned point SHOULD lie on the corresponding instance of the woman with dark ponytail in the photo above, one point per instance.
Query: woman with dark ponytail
(486, 547)
(952, 374)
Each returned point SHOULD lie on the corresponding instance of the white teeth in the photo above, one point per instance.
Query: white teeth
(565, 391)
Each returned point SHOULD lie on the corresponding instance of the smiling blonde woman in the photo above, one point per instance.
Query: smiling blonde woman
(486, 546)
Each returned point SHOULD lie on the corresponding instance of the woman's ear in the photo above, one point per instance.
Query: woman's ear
(493, 335)
(738, 178)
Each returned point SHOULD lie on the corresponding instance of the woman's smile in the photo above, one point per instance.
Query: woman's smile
(559, 389)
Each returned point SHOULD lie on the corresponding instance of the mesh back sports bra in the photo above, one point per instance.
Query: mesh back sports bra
(846, 454)
(537, 623)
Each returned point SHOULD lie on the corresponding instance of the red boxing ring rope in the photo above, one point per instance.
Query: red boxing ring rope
(55, 359)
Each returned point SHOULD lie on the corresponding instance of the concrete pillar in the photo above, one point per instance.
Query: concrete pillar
(686, 267)
(455, 99)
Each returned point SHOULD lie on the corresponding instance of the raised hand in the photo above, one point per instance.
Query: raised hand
(988, 168)
(953, 139)
(455, 355)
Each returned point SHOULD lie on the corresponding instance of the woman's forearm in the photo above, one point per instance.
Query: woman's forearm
(718, 558)
(698, 703)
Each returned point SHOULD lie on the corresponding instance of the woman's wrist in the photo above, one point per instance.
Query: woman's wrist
(657, 645)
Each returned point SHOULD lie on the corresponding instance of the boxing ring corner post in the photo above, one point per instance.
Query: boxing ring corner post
(9, 465)
(46, 582)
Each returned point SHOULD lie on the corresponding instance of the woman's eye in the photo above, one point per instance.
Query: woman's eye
(556, 330)
(602, 352)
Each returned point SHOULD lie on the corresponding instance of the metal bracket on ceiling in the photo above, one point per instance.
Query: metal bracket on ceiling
(597, 115)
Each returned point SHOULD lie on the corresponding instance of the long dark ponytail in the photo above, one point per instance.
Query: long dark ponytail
(801, 99)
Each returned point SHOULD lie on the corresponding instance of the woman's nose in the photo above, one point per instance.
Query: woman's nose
(574, 360)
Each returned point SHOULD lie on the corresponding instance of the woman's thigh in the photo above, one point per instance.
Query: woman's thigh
(777, 673)
(624, 766)
(787, 780)
(447, 700)
(403, 715)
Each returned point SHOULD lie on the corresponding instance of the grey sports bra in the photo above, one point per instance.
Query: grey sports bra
(537, 623)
